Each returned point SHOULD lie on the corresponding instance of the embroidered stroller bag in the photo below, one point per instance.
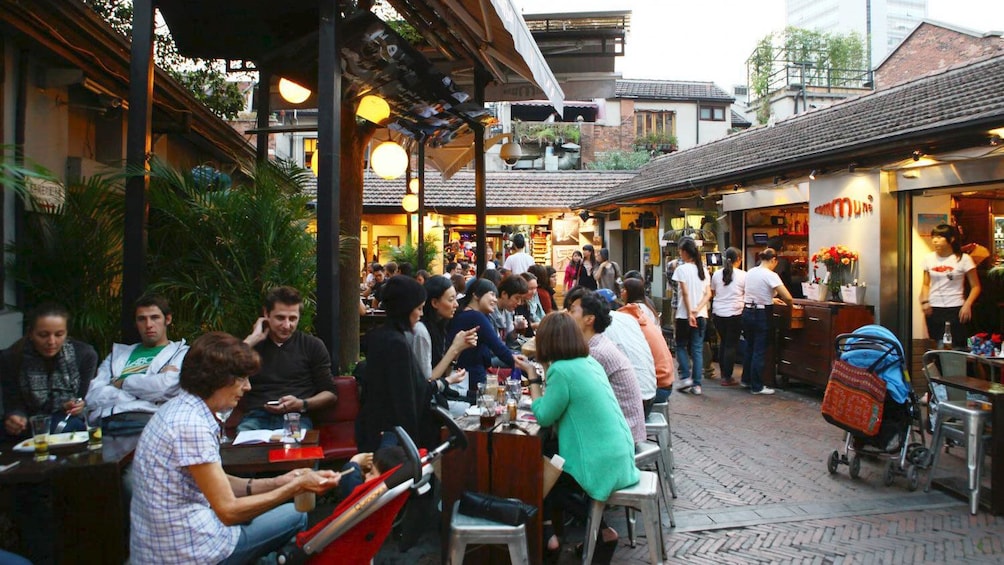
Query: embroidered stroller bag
(854, 399)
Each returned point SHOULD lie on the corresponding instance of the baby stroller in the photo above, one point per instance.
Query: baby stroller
(356, 530)
(869, 395)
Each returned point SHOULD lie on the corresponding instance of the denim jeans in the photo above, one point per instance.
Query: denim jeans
(729, 329)
(260, 419)
(755, 328)
(267, 533)
(690, 349)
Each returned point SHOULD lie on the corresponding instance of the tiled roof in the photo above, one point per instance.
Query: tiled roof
(505, 190)
(740, 121)
(671, 90)
(916, 112)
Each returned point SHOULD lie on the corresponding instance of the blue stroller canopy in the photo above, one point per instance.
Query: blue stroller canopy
(891, 368)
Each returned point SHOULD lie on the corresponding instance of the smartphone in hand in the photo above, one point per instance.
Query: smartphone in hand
(273, 403)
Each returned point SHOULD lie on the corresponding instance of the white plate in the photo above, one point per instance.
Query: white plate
(55, 441)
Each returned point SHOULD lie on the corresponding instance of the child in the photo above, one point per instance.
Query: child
(367, 466)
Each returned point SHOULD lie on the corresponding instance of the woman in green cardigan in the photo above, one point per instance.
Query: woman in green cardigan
(593, 437)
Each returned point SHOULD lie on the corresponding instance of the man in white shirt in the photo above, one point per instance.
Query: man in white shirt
(518, 261)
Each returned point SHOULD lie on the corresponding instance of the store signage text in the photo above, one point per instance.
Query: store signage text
(845, 208)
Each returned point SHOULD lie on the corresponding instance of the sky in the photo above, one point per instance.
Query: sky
(691, 40)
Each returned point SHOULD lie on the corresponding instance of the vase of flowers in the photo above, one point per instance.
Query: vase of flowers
(838, 261)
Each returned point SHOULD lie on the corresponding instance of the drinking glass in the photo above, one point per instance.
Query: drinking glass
(93, 437)
(222, 416)
(291, 427)
(40, 434)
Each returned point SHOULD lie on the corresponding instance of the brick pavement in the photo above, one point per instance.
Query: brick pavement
(753, 488)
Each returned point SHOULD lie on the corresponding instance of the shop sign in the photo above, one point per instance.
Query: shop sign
(846, 208)
(638, 217)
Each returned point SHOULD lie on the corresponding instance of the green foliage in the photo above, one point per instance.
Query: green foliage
(656, 138)
(543, 132)
(215, 254)
(206, 79)
(620, 161)
(74, 257)
(408, 253)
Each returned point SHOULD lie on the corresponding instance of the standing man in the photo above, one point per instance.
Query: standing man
(295, 373)
(519, 260)
(136, 379)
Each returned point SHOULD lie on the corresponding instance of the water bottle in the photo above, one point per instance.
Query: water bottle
(946, 340)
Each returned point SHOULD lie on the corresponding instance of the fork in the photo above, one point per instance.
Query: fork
(62, 423)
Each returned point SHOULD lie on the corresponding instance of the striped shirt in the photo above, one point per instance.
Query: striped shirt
(172, 521)
(621, 374)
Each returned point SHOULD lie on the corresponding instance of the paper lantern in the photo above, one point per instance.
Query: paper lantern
(389, 160)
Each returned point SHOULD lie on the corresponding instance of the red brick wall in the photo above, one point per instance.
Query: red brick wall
(615, 138)
(930, 48)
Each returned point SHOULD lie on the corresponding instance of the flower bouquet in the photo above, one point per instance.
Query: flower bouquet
(985, 344)
(838, 261)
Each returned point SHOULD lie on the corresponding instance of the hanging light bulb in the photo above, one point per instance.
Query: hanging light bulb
(373, 108)
(410, 203)
(292, 92)
(389, 160)
(413, 185)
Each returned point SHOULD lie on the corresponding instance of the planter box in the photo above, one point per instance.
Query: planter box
(813, 291)
(853, 294)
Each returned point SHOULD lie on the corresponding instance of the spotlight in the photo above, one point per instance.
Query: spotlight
(995, 140)
(851, 167)
(584, 215)
(812, 175)
(917, 155)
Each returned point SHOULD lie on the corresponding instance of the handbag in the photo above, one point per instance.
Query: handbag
(509, 511)
(854, 399)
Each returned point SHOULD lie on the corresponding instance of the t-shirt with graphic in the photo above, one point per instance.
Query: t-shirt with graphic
(948, 277)
(140, 359)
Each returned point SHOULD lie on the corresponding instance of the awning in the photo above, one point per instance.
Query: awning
(450, 158)
(502, 37)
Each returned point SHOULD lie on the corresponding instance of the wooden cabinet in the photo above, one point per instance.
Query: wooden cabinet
(806, 353)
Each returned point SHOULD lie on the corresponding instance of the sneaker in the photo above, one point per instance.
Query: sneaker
(696, 390)
(764, 390)
(728, 382)
(684, 384)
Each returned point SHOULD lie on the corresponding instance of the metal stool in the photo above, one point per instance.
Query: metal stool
(971, 435)
(643, 496)
(467, 529)
(657, 427)
(645, 453)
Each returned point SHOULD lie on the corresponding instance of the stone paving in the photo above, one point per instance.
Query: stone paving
(753, 487)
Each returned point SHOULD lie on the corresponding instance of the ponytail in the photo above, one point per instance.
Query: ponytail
(731, 256)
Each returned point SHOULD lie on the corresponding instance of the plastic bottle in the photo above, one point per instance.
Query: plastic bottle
(946, 340)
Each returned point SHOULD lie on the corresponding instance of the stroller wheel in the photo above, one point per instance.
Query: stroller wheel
(855, 467)
(890, 474)
(833, 462)
(912, 477)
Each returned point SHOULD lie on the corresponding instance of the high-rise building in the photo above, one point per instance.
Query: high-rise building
(885, 22)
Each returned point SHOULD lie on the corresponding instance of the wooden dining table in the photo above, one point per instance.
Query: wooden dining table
(994, 497)
(505, 461)
(71, 508)
(253, 459)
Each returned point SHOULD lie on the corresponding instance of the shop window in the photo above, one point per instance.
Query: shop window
(713, 113)
(309, 148)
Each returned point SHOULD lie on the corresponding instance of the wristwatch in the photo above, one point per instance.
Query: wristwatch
(534, 381)
(304, 401)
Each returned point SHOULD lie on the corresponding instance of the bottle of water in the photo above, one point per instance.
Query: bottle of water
(946, 340)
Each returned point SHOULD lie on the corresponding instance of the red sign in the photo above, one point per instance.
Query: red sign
(845, 208)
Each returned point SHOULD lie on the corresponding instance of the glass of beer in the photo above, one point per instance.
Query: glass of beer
(40, 434)
(94, 437)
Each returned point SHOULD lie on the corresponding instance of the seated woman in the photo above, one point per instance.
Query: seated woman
(185, 508)
(46, 372)
(479, 302)
(434, 354)
(593, 435)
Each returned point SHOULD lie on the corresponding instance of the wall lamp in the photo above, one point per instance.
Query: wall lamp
(851, 167)
(995, 140)
(917, 155)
